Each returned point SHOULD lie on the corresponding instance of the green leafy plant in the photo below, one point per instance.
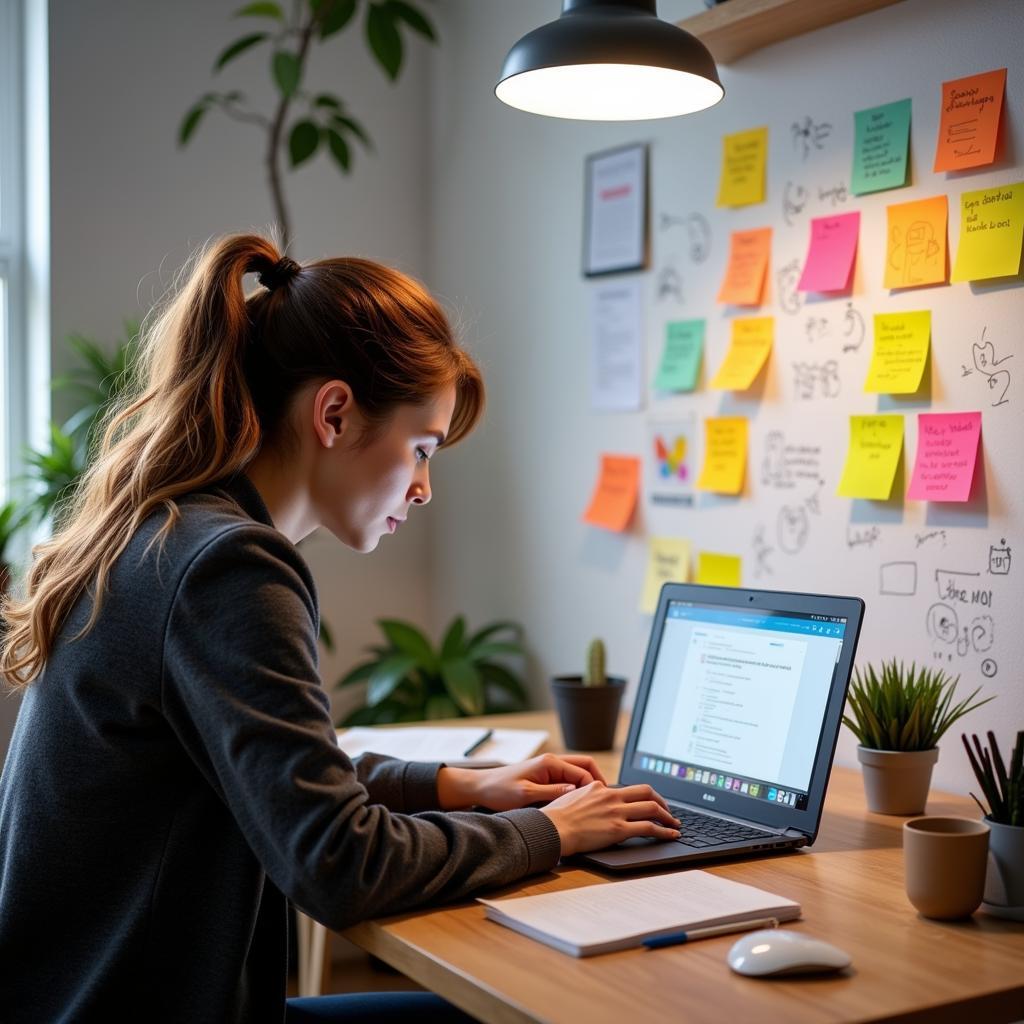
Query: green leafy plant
(12, 518)
(1004, 790)
(595, 674)
(323, 122)
(904, 708)
(408, 679)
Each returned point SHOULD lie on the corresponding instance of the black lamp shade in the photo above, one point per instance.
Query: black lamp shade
(609, 61)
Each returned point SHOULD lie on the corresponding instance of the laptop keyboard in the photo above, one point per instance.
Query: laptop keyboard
(701, 830)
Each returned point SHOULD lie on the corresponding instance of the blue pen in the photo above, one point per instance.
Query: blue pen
(678, 938)
(473, 747)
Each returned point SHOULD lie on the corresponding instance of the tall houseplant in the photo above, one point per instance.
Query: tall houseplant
(322, 122)
(1004, 791)
(898, 714)
(408, 679)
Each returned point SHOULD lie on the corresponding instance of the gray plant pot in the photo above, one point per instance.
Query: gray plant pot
(1004, 880)
(588, 714)
(897, 781)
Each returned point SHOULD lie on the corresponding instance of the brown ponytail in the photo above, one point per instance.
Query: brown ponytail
(215, 375)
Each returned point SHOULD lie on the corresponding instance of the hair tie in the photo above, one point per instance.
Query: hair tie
(280, 273)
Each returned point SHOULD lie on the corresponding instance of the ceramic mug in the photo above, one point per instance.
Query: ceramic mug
(945, 861)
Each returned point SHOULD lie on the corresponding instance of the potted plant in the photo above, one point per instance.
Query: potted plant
(899, 714)
(1004, 791)
(11, 520)
(408, 680)
(588, 705)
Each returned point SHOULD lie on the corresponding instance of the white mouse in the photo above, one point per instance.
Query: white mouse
(773, 951)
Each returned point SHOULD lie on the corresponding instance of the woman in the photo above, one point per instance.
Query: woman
(173, 777)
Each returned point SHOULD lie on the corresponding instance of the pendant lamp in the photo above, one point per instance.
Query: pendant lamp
(609, 60)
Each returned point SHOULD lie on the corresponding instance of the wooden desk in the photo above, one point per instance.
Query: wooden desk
(850, 884)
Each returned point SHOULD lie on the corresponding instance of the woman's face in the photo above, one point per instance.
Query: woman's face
(363, 492)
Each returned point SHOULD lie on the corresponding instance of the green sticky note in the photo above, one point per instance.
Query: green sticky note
(680, 360)
(880, 139)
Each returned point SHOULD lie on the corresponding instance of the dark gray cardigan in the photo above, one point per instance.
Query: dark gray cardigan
(175, 771)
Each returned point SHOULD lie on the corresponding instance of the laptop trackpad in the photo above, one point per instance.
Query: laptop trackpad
(637, 841)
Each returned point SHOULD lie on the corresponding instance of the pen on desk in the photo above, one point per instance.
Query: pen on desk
(473, 747)
(678, 938)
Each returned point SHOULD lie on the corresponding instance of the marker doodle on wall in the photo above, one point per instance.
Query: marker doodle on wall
(857, 537)
(794, 199)
(985, 362)
(809, 135)
(924, 538)
(999, 558)
(670, 284)
(854, 329)
(761, 553)
(787, 278)
(815, 328)
(816, 380)
(943, 623)
(835, 195)
(989, 668)
(785, 464)
(792, 528)
(698, 233)
(961, 587)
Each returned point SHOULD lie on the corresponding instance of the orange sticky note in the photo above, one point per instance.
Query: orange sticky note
(751, 344)
(725, 455)
(748, 267)
(969, 124)
(916, 249)
(614, 498)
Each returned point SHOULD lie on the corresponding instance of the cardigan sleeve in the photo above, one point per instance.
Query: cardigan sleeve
(241, 690)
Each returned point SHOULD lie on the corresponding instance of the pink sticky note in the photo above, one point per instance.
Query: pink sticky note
(947, 450)
(830, 256)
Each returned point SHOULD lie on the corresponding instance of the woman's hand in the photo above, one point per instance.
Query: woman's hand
(539, 780)
(596, 816)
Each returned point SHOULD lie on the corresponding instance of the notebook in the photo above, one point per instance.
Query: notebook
(619, 915)
(444, 743)
(736, 719)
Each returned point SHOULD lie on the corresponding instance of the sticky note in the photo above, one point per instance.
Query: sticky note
(668, 561)
(916, 252)
(900, 352)
(614, 498)
(747, 268)
(969, 121)
(830, 256)
(876, 444)
(947, 450)
(725, 455)
(991, 230)
(749, 347)
(680, 359)
(880, 139)
(717, 570)
(743, 161)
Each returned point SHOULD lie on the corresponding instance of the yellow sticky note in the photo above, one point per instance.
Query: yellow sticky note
(751, 343)
(614, 498)
(725, 455)
(900, 352)
(743, 161)
(991, 230)
(745, 275)
(916, 247)
(668, 561)
(719, 570)
(876, 446)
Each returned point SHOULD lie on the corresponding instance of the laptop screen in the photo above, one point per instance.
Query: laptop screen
(737, 700)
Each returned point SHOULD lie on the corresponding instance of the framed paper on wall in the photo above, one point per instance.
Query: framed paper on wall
(615, 211)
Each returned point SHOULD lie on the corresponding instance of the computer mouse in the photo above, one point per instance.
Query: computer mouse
(774, 951)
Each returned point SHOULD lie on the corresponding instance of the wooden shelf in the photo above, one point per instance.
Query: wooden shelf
(738, 27)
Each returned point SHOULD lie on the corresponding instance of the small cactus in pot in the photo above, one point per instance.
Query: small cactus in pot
(588, 704)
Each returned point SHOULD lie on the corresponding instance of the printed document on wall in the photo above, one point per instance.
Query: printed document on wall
(617, 347)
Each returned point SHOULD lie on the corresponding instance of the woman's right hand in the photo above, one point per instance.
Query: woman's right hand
(594, 816)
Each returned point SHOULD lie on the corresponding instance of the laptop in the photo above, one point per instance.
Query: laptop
(736, 720)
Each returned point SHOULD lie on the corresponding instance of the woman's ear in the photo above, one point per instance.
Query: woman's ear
(334, 409)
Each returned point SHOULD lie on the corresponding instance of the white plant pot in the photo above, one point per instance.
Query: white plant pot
(897, 781)
(1004, 879)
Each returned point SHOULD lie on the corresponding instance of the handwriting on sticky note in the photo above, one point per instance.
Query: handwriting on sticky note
(901, 348)
(747, 270)
(717, 570)
(614, 498)
(991, 230)
(881, 136)
(749, 349)
(668, 561)
(947, 450)
(969, 121)
(916, 250)
(743, 163)
(876, 445)
(831, 254)
(680, 359)
(725, 455)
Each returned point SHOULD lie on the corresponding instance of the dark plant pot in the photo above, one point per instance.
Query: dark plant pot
(588, 714)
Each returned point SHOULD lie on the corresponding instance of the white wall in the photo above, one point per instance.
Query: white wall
(128, 206)
(506, 214)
